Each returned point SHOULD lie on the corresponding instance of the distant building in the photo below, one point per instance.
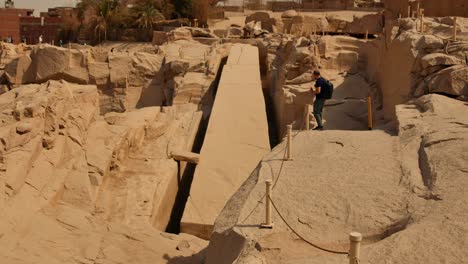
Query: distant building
(10, 20)
(33, 27)
(20, 24)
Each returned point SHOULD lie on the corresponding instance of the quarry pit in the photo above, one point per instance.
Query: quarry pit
(159, 152)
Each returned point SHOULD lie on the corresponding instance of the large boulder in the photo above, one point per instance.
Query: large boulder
(17, 71)
(451, 81)
(159, 37)
(235, 32)
(9, 52)
(337, 23)
(48, 62)
(180, 33)
(430, 42)
(289, 14)
(439, 59)
(315, 24)
(202, 33)
(372, 23)
(266, 21)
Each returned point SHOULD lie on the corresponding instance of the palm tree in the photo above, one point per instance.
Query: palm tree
(105, 14)
(147, 16)
(105, 10)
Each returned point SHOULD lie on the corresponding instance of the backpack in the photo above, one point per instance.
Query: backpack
(327, 90)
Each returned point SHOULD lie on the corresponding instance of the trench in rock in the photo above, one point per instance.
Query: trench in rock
(185, 177)
(354, 35)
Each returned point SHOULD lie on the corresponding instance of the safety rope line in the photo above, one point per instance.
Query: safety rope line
(301, 237)
(272, 175)
(273, 178)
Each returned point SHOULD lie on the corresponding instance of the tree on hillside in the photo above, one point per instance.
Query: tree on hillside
(105, 10)
(98, 17)
(165, 7)
(182, 8)
(147, 13)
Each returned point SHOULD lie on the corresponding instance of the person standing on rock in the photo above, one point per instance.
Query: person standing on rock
(323, 91)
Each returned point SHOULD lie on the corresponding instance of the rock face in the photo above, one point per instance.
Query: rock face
(159, 37)
(291, 80)
(372, 24)
(236, 139)
(431, 129)
(263, 18)
(289, 14)
(127, 78)
(98, 186)
(315, 210)
(451, 81)
(9, 52)
(423, 186)
(406, 64)
(340, 53)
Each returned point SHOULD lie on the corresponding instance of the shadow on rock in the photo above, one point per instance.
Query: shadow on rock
(197, 258)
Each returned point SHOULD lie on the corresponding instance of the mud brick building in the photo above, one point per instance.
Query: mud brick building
(32, 27)
(20, 24)
(10, 21)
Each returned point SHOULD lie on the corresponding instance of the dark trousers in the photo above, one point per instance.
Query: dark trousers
(318, 110)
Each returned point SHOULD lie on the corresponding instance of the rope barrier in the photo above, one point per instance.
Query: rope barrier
(272, 176)
(301, 237)
(274, 185)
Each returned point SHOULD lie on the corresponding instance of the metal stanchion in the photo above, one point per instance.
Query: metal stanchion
(289, 144)
(367, 34)
(369, 112)
(354, 247)
(409, 11)
(268, 223)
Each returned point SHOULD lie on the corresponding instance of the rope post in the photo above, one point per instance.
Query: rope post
(454, 28)
(307, 116)
(409, 11)
(369, 112)
(367, 34)
(355, 239)
(289, 143)
(268, 223)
